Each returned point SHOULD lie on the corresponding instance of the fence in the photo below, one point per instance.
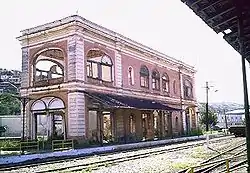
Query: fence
(62, 144)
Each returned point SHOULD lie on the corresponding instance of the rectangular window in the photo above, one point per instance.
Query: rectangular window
(153, 83)
(92, 69)
(92, 125)
(165, 86)
(106, 73)
(132, 123)
(89, 69)
(144, 81)
(157, 84)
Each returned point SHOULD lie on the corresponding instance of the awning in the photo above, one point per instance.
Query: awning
(118, 101)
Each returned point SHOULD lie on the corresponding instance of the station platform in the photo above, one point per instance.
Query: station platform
(18, 159)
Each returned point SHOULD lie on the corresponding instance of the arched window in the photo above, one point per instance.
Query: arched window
(48, 68)
(99, 65)
(131, 76)
(144, 76)
(155, 80)
(174, 87)
(165, 82)
(188, 89)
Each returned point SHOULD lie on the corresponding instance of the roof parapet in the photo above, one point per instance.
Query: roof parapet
(77, 18)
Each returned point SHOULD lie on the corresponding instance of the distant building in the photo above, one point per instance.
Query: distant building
(235, 117)
(10, 80)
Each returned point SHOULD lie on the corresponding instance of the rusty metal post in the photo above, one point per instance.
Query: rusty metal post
(227, 166)
(207, 88)
(246, 101)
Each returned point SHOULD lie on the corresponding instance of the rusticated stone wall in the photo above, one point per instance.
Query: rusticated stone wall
(76, 115)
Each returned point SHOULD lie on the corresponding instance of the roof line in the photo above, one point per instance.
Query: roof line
(77, 18)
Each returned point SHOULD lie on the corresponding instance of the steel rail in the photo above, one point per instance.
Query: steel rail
(119, 159)
(216, 156)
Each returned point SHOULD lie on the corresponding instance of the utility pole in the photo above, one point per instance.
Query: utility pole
(207, 88)
(24, 101)
(225, 118)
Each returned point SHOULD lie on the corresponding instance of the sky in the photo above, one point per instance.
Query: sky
(168, 26)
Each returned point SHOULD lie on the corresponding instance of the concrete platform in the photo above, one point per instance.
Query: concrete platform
(13, 160)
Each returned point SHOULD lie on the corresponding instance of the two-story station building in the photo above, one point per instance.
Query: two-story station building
(87, 82)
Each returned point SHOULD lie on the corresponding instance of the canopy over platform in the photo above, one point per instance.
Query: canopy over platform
(125, 102)
(222, 17)
(232, 18)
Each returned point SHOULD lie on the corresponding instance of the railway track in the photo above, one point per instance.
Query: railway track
(106, 162)
(218, 161)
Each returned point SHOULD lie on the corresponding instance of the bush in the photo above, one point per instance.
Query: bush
(9, 145)
(196, 132)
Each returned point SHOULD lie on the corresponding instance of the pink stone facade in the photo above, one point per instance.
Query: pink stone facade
(96, 61)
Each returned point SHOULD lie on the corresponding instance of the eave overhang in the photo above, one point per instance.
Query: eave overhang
(222, 17)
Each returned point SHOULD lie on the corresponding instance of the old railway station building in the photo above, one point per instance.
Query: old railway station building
(86, 82)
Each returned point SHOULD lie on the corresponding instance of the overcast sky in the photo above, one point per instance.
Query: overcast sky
(168, 26)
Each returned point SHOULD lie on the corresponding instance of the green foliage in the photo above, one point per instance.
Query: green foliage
(9, 105)
(212, 117)
(9, 145)
(196, 132)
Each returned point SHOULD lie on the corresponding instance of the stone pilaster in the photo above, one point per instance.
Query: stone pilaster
(76, 115)
(118, 64)
(184, 124)
(118, 69)
(25, 68)
(75, 58)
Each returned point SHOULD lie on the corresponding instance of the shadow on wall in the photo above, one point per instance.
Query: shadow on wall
(13, 124)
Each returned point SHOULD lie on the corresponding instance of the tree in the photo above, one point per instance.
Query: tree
(212, 117)
(9, 105)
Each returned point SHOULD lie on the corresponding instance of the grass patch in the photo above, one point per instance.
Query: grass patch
(199, 153)
(181, 165)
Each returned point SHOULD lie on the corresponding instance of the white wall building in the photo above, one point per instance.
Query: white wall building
(235, 117)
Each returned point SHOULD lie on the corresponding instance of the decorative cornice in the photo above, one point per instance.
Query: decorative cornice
(77, 86)
(86, 24)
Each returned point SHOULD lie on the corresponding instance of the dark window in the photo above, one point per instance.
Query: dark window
(155, 80)
(177, 123)
(188, 93)
(165, 82)
(132, 123)
(130, 76)
(144, 76)
(174, 87)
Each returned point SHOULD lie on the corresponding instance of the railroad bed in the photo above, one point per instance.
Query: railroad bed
(137, 160)
(12, 160)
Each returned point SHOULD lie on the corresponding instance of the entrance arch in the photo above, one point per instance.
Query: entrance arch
(190, 118)
(48, 118)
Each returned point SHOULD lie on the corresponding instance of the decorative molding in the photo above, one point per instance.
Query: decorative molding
(118, 69)
(99, 30)
(75, 58)
(25, 68)
(184, 124)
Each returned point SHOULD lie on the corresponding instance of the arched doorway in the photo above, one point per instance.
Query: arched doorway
(48, 115)
(190, 118)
